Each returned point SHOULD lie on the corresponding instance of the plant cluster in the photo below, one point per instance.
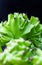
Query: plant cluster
(23, 39)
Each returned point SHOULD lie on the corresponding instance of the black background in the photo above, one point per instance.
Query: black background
(30, 7)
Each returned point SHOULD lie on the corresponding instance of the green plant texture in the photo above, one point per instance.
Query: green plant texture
(23, 39)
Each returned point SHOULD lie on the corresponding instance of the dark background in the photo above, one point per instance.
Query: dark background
(30, 7)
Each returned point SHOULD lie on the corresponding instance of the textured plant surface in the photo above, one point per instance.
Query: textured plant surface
(23, 39)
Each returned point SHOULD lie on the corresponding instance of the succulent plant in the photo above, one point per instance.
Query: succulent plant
(23, 39)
